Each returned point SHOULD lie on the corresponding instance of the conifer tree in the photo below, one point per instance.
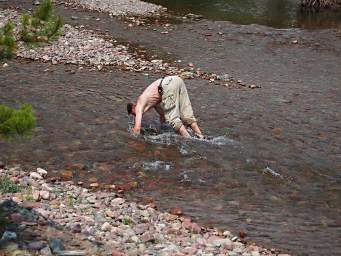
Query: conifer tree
(42, 26)
(7, 41)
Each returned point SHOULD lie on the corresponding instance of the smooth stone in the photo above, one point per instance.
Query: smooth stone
(35, 176)
(36, 245)
(9, 235)
(45, 195)
(106, 227)
(46, 187)
(76, 228)
(42, 172)
(46, 251)
(56, 245)
(117, 201)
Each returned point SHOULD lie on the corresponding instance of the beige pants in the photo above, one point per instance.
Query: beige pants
(175, 102)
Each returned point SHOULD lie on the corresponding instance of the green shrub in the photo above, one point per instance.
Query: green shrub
(43, 26)
(7, 186)
(16, 121)
(7, 41)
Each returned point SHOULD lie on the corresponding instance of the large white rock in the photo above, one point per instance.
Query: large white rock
(45, 195)
(42, 172)
(35, 176)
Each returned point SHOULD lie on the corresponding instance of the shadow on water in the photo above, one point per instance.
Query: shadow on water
(273, 13)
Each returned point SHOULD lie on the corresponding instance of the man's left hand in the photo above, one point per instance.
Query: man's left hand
(136, 131)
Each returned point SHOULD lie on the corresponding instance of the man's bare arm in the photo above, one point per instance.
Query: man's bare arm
(138, 119)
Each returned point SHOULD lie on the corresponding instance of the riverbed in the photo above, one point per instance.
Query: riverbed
(272, 169)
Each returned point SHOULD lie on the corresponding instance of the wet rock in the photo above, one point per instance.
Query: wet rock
(37, 245)
(9, 236)
(76, 228)
(46, 251)
(176, 211)
(56, 245)
(66, 175)
(16, 218)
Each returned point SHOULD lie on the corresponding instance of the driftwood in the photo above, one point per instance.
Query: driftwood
(321, 4)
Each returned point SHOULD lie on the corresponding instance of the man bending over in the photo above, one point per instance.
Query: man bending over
(170, 99)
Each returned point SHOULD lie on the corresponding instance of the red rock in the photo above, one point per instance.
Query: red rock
(176, 211)
(147, 237)
(242, 233)
(195, 228)
(66, 175)
(16, 218)
(116, 253)
(14, 179)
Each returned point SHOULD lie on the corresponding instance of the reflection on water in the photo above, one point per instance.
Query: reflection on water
(274, 13)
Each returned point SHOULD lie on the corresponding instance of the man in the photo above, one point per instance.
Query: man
(170, 99)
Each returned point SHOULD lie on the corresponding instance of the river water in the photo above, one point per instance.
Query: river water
(273, 13)
(281, 186)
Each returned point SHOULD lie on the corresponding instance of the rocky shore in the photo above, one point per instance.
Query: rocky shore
(119, 7)
(47, 216)
(84, 47)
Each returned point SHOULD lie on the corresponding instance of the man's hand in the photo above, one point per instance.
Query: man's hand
(136, 131)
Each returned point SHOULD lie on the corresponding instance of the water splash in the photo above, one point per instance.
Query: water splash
(268, 170)
(157, 166)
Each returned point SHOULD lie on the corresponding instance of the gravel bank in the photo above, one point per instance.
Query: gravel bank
(85, 47)
(119, 7)
(116, 226)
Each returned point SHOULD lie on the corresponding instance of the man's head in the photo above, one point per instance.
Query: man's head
(131, 109)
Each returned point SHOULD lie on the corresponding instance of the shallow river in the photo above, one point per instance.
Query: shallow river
(273, 13)
(280, 185)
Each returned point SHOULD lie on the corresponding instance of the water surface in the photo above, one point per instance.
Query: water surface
(272, 169)
(274, 13)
